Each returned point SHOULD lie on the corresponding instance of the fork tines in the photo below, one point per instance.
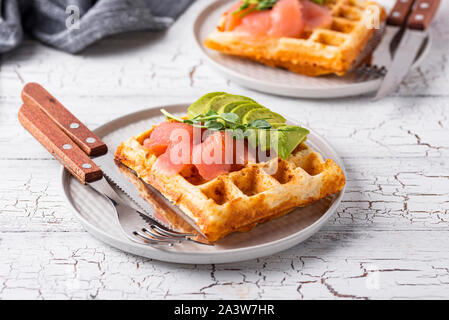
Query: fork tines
(369, 72)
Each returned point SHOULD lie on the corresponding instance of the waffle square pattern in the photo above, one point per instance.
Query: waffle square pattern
(239, 200)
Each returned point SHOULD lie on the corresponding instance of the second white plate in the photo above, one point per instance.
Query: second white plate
(277, 81)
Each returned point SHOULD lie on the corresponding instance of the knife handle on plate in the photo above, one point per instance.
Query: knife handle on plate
(34, 94)
(422, 15)
(59, 144)
(399, 13)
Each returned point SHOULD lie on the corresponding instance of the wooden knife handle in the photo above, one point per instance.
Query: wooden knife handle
(423, 13)
(59, 144)
(34, 94)
(399, 13)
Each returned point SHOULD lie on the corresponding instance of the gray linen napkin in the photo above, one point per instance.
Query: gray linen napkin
(72, 25)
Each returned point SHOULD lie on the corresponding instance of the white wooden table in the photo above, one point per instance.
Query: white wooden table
(389, 238)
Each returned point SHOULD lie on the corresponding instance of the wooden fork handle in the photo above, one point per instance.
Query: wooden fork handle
(400, 12)
(34, 94)
(59, 144)
(423, 13)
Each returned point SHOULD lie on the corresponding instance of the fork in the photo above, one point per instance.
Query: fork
(376, 71)
(369, 72)
(384, 43)
(137, 226)
(381, 42)
(71, 143)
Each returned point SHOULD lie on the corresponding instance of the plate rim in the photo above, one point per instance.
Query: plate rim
(231, 255)
(344, 90)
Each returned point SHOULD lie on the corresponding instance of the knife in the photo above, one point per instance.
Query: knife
(57, 128)
(384, 53)
(415, 34)
(113, 173)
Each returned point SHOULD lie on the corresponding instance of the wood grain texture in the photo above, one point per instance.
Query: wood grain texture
(399, 13)
(34, 95)
(388, 238)
(423, 13)
(58, 144)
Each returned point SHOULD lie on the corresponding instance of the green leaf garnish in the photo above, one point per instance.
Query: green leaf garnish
(231, 123)
(320, 1)
(260, 124)
(258, 5)
(211, 113)
(213, 125)
(230, 117)
(266, 4)
(170, 116)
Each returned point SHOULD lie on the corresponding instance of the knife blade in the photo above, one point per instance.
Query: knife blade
(113, 174)
(409, 46)
(383, 55)
(111, 171)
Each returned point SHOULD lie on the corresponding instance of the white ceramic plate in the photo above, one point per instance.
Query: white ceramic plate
(277, 81)
(99, 219)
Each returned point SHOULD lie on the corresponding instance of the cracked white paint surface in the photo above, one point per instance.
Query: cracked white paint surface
(387, 240)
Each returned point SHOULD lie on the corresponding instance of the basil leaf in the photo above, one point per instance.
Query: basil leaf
(211, 113)
(213, 125)
(230, 117)
(244, 6)
(259, 5)
(260, 124)
(266, 4)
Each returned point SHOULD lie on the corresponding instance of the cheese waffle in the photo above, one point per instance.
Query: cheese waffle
(239, 200)
(319, 51)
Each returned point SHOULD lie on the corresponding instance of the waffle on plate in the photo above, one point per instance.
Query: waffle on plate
(328, 42)
(239, 197)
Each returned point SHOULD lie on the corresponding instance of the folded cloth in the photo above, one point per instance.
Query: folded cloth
(72, 25)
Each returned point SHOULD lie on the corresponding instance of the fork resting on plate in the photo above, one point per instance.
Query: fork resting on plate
(72, 144)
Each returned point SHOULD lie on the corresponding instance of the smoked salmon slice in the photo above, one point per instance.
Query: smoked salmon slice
(233, 155)
(287, 18)
(211, 157)
(159, 139)
(175, 159)
(316, 16)
(172, 142)
(255, 24)
(234, 19)
(177, 148)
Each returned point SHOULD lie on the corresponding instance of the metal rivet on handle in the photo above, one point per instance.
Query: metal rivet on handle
(90, 140)
(87, 165)
(424, 5)
(396, 14)
(67, 146)
(419, 17)
(74, 125)
(404, 1)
